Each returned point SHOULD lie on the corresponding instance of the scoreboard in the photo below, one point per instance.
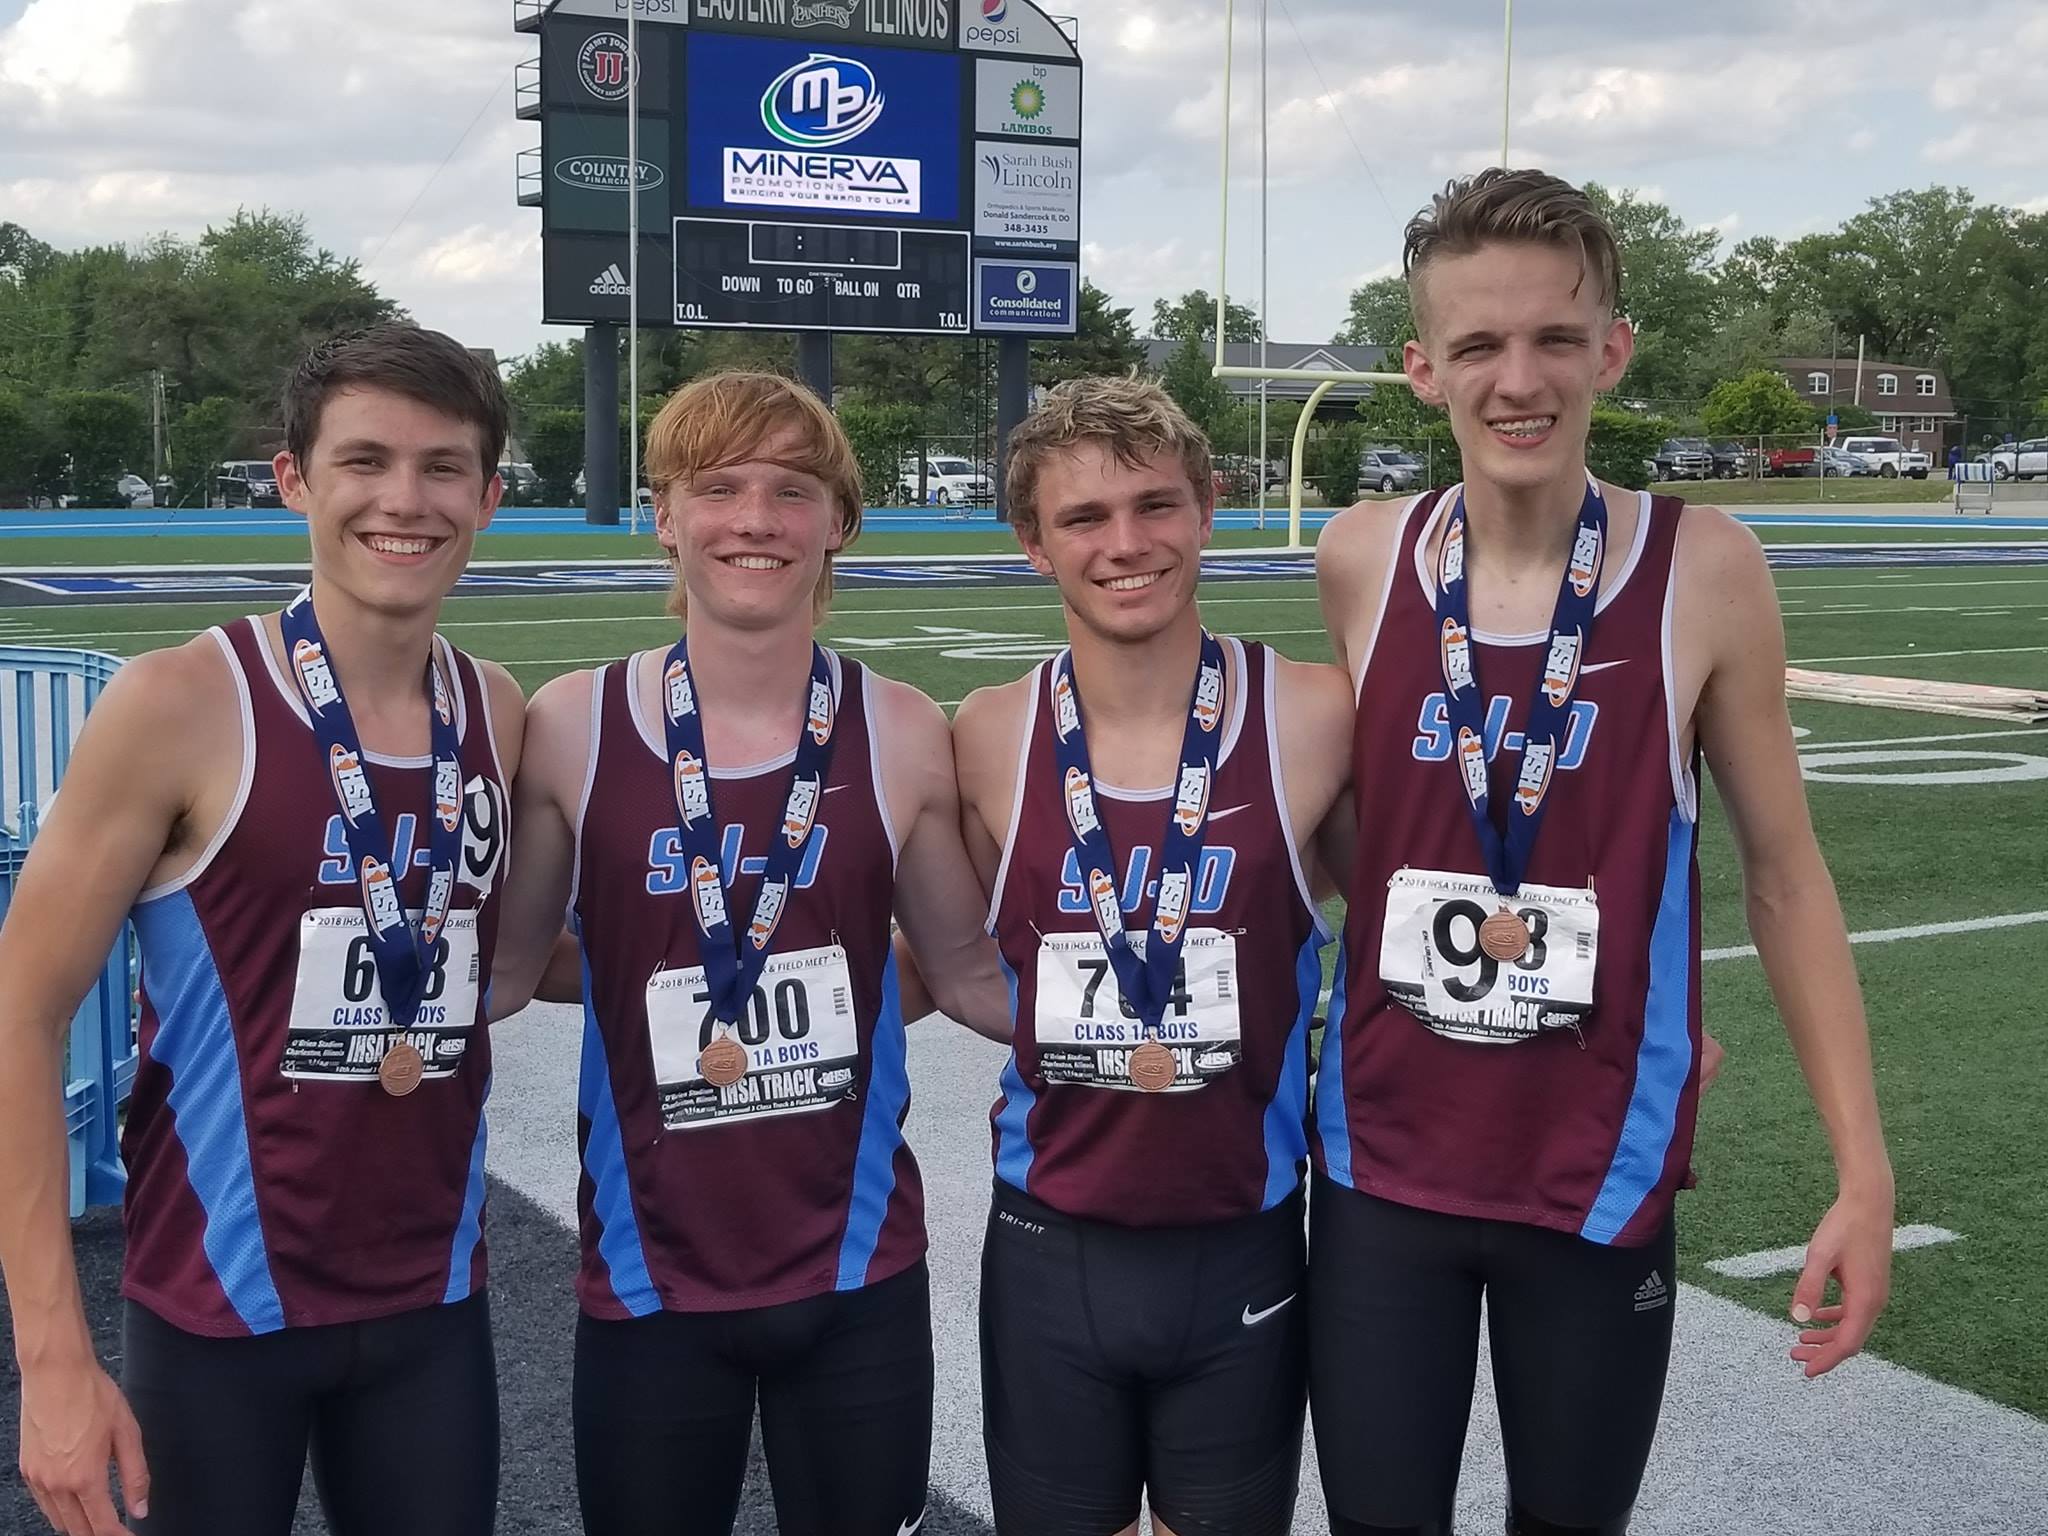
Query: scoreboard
(911, 168)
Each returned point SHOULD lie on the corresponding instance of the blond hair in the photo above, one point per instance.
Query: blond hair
(1132, 417)
(727, 418)
(1527, 206)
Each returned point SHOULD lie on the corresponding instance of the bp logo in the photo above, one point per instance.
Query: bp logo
(1027, 99)
(604, 65)
(823, 101)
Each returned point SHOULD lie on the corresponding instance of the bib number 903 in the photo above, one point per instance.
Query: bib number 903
(1443, 934)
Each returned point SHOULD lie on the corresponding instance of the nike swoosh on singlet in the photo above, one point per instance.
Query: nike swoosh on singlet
(910, 1527)
(1251, 1317)
(1602, 666)
(1229, 810)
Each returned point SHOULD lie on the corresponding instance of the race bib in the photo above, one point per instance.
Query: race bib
(798, 1030)
(339, 1029)
(1432, 964)
(1086, 1031)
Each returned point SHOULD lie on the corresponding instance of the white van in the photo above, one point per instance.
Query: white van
(1888, 456)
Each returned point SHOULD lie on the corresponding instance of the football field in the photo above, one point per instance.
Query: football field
(1935, 827)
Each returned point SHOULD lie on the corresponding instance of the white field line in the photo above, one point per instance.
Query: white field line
(1893, 935)
(1845, 611)
(1902, 741)
(1882, 584)
(1784, 1261)
(1981, 650)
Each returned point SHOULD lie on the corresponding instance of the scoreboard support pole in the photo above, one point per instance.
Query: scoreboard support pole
(1013, 403)
(814, 362)
(601, 425)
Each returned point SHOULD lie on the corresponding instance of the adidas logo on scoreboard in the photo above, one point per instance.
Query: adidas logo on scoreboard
(610, 281)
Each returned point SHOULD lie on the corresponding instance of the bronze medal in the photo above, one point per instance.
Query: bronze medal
(723, 1062)
(401, 1069)
(1152, 1067)
(1504, 936)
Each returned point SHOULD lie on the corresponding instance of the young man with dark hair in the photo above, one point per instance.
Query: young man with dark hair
(1508, 1085)
(305, 815)
(1143, 810)
(729, 822)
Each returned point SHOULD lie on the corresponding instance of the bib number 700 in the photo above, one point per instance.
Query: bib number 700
(784, 1010)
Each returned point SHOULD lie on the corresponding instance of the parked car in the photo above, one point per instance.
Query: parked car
(1792, 461)
(1887, 456)
(948, 480)
(522, 485)
(1732, 461)
(1837, 461)
(2020, 461)
(1684, 458)
(1388, 469)
(248, 483)
(135, 491)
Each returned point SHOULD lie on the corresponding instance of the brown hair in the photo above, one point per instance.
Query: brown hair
(1134, 418)
(1529, 206)
(727, 418)
(421, 365)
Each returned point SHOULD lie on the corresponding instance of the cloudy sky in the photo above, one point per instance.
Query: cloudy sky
(389, 124)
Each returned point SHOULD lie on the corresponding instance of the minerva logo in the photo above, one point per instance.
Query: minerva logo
(605, 173)
(823, 101)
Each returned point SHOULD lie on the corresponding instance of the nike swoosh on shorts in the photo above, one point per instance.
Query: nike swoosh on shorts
(1251, 1318)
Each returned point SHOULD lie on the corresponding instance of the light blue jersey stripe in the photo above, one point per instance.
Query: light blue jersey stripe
(469, 1230)
(1332, 1123)
(195, 1043)
(1664, 1059)
(1013, 1115)
(604, 1159)
(881, 1134)
(1287, 1114)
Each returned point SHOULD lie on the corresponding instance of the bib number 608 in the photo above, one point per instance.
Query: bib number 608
(359, 971)
(1459, 954)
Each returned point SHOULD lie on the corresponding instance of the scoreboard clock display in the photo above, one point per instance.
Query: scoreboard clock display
(786, 275)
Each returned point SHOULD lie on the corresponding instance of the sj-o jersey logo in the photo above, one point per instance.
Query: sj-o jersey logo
(1436, 738)
(483, 842)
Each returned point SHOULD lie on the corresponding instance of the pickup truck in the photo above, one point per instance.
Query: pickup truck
(1685, 458)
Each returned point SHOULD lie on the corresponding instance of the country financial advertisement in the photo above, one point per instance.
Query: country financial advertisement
(844, 131)
(1027, 197)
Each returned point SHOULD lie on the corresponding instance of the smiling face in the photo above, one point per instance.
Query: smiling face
(750, 539)
(1123, 541)
(394, 493)
(1516, 343)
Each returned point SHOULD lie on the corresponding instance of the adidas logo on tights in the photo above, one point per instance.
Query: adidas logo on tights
(1652, 1293)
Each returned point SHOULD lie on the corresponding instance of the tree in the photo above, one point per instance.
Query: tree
(202, 437)
(104, 431)
(1619, 445)
(1848, 418)
(1104, 344)
(1192, 317)
(1758, 404)
(550, 375)
(1393, 414)
(883, 433)
(554, 437)
(1380, 315)
(1332, 457)
(1189, 379)
(24, 445)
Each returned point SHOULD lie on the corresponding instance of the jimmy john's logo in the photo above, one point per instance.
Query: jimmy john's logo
(1066, 712)
(693, 793)
(1172, 908)
(767, 913)
(1561, 667)
(821, 713)
(351, 784)
(1102, 896)
(1209, 697)
(1457, 646)
(440, 890)
(1585, 567)
(380, 896)
(1452, 570)
(1080, 804)
(1538, 758)
(316, 678)
(677, 694)
(1472, 762)
(1191, 799)
(801, 811)
(448, 792)
(710, 894)
(443, 706)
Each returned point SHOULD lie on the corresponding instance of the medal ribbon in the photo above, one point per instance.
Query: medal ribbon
(1549, 717)
(733, 962)
(403, 950)
(1147, 984)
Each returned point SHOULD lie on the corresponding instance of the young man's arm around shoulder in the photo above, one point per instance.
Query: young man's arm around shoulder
(1315, 725)
(546, 801)
(1727, 615)
(1352, 553)
(939, 900)
(167, 726)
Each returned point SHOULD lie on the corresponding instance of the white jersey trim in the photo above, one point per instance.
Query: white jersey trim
(597, 681)
(297, 705)
(1684, 785)
(1379, 617)
(658, 745)
(995, 900)
(1232, 729)
(1608, 593)
(867, 701)
(246, 709)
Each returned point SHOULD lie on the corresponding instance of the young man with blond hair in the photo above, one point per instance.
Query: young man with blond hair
(729, 822)
(1508, 1087)
(1143, 810)
(304, 814)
